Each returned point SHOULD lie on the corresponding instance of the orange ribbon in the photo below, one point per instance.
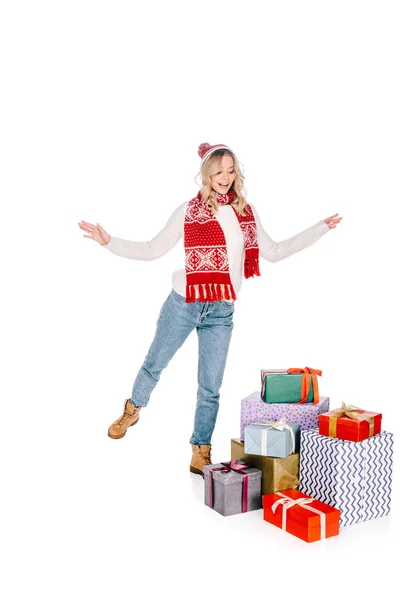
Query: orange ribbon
(305, 382)
(353, 412)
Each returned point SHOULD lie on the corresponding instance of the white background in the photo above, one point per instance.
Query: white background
(103, 106)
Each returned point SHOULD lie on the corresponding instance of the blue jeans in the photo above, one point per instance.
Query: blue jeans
(214, 323)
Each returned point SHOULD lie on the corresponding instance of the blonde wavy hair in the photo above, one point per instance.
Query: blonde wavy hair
(211, 166)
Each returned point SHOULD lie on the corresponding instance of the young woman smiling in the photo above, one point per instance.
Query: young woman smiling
(223, 239)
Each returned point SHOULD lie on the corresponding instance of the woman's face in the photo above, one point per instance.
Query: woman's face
(225, 176)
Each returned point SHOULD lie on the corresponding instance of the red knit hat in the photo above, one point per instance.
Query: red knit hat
(205, 150)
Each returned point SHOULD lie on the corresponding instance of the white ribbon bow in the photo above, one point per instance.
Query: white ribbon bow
(280, 426)
(288, 502)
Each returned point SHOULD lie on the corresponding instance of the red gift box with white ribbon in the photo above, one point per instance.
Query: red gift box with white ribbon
(300, 515)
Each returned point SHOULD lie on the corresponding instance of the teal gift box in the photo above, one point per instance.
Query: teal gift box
(279, 386)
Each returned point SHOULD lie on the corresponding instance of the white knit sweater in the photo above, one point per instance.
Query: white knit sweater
(173, 232)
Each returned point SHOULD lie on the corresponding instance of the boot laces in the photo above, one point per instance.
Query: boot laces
(205, 458)
(125, 418)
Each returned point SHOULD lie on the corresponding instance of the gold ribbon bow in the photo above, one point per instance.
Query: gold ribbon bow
(353, 412)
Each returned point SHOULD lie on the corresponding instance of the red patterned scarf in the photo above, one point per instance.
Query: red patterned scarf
(207, 267)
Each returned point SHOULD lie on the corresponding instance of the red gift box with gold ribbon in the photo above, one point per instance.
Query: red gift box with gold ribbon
(350, 423)
(300, 515)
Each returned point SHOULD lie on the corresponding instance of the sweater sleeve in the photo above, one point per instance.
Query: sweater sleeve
(275, 251)
(156, 247)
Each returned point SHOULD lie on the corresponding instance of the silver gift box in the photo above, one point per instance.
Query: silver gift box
(228, 489)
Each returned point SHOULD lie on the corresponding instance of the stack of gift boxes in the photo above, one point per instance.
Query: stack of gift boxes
(311, 469)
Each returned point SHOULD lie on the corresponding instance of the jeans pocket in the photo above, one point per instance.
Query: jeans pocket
(225, 312)
(228, 304)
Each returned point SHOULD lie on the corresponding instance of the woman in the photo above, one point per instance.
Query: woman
(223, 238)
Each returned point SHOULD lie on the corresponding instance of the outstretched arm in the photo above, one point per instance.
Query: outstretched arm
(275, 251)
(156, 247)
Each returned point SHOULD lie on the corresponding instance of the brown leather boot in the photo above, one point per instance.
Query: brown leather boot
(201, 456)
(130, 417)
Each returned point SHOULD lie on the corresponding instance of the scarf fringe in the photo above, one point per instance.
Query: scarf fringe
(251, 267)
(210, 292)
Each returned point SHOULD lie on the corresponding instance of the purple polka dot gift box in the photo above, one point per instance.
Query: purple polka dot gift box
(254, 409)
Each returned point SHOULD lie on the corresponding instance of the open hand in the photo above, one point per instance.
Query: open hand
(333, 221)
(96, 232)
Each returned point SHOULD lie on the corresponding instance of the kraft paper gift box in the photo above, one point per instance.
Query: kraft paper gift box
(350, 423)
(300, 515)
(277, 473)
(272, 438)
(290, 385)
(306, 414)
(232, 487)
(355, 477)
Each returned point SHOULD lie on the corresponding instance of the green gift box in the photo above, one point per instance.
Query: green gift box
(279, 386)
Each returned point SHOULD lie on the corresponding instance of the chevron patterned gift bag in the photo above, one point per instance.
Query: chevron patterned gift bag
(355, 477)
